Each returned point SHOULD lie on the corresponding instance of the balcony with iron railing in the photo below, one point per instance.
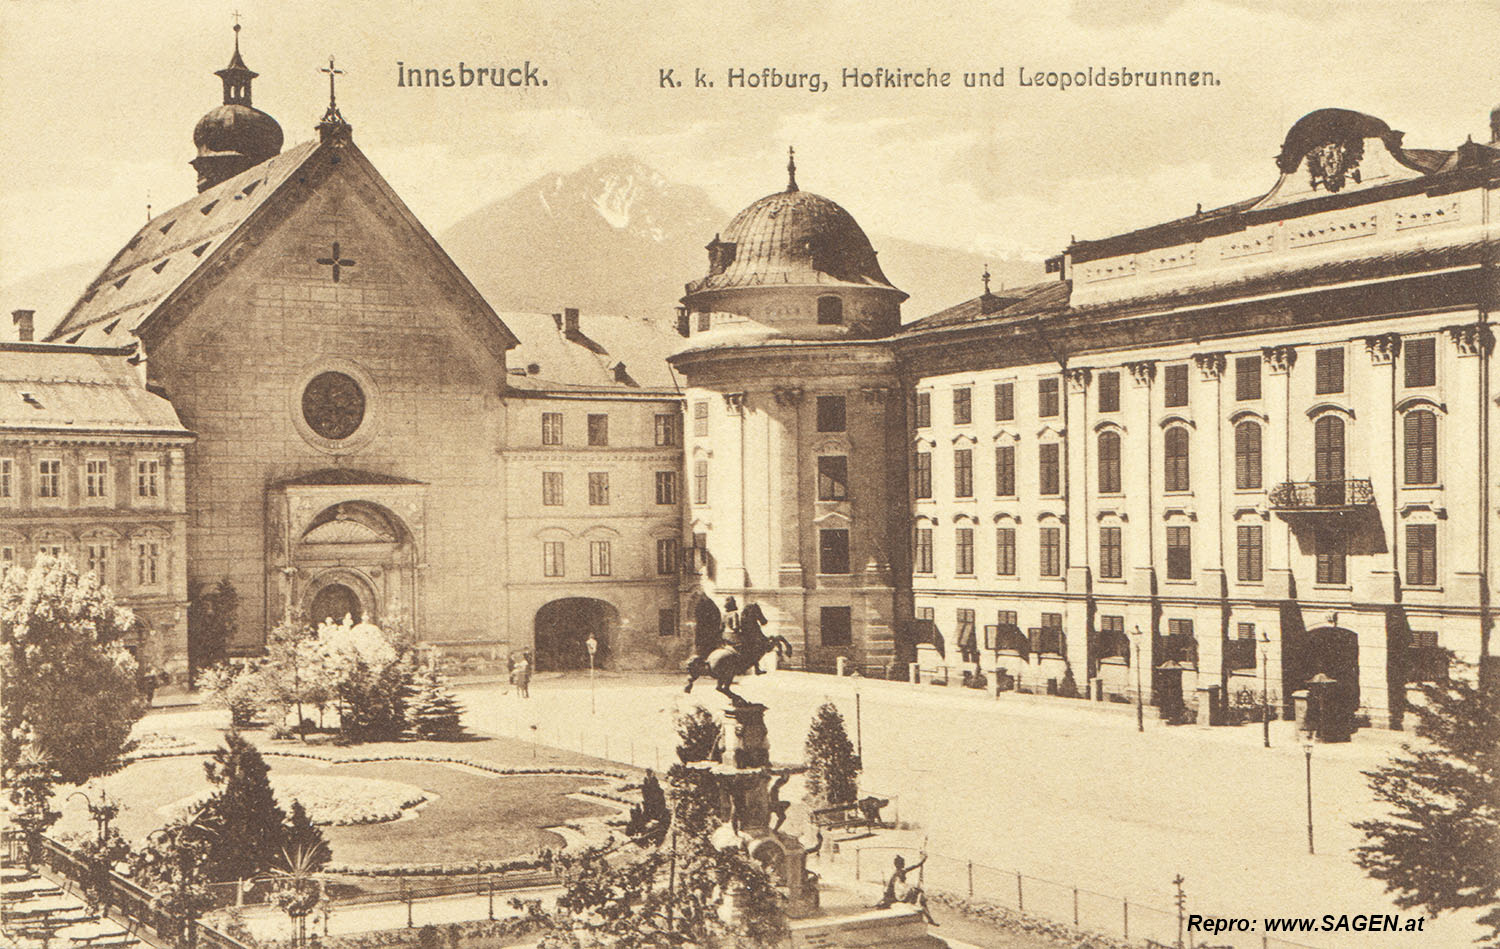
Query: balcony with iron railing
(1314, 496)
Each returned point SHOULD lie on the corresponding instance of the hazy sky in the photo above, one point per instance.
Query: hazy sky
(98, 103)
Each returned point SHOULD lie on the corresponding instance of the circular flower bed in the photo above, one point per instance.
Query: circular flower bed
(340, 801)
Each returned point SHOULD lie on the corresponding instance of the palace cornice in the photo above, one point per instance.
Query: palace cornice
(856, 352)
(98, 437)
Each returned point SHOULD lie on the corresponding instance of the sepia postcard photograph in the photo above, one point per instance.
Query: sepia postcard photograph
(818, 475)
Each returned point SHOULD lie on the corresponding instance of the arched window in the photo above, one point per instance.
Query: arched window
(830, 311)
(1177, 478)
(1421, 447)
(1109, 462)
(1328, 460)
(1247, 455)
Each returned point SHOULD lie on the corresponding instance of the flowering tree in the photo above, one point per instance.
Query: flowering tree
(70, 685)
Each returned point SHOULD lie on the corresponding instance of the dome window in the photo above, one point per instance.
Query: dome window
(830, 311)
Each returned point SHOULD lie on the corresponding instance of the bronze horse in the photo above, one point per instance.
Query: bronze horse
(735, 658)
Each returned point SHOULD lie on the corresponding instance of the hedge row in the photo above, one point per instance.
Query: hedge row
(1009, 920)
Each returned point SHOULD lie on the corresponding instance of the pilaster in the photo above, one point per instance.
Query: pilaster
(1276, 456)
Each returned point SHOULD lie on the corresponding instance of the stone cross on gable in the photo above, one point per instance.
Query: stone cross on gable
(337, 261)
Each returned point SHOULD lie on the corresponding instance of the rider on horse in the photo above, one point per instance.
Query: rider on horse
(743, 645)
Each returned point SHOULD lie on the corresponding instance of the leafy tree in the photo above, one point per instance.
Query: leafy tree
(1440, 849)
(70, 686)
(694, 793)
(212, 618)
(245, 824)
(371, 672)
(699, 736)
(432, 711)
(100, 854)
(171, 866)
(833, 767)
(237, 688)
(31, 781)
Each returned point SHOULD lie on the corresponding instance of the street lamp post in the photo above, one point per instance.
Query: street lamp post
(1140, 699)
(1307, 749)
(1265, 690)
(593, 647)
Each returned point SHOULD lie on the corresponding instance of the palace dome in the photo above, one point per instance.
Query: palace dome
(236, 129)
(792, 238)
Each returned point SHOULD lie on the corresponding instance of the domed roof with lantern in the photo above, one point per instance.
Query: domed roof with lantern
(235, 135)
(792, 238)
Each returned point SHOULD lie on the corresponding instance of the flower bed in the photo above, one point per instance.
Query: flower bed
(340, 801)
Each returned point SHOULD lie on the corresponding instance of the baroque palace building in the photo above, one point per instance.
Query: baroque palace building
(1239, 449)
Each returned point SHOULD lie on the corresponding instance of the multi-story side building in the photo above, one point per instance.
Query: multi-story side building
(1242, 449)
(91, 468)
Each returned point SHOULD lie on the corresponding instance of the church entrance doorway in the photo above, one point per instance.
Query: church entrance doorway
(562, 629)
(333, 603)
(707, 622)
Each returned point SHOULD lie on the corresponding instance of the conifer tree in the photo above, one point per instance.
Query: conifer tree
(432, 711)
(1440, 849)
(303, 842)
(243, 825)
(833, 767)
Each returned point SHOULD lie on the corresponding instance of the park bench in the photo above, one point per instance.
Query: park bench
(864, 814)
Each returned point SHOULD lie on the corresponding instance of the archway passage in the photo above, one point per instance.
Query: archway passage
(707, 626)
(562, 630)
(333, 603)
(1332, 652)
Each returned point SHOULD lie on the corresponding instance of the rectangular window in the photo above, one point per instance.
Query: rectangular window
(699, 552)
(1046, 397)
(598, 488)
(833, 550)
(1421, 555)
(1328, 371)
(700, 419)
(1005, 401)
(666, 556)
(98, 561)
(1111, 565)
(1175, 386)
(7, 478)
(963, 473)
(1332, 557)
(1426, 661)
(1239, 652)
(922, 550)
(1247, 542)
(1179, 553)
(833, 478)
(666, 487)
(552, 428)
(147, 562)
(1247, 378)
(1109, 392)
(598, 430)
(1005, 551)
(921, 479)
(1420, 357)
(7, 555)
(700, 481)
(963, 406)
(668, 430)
(552, 488)
(963, 552)
(599, 559)
(49, 478)
(705, 321)
(1005, 470)
(923, 410)
(1049, 476)
(666, 622)
(964, 637)
(96, 478)
(1420, 446)
(1049, 638)
(1112, 638)
(147, 478)
(1051, 552)
(1005, 629)
(553, 564)
(831, 413)
(835, 625)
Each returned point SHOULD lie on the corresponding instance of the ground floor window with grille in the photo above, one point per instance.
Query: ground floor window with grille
(1239, 652)
(666, 622)
(1179, 645)
(1112, 638)
(968, 646)
(552, 558)
(835, 624)
(599, 559)
(1049, 637)
(1426, 661)
(1002, 634)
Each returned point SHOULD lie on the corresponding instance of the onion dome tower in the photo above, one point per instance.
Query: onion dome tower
(234, 136)
(795, 437)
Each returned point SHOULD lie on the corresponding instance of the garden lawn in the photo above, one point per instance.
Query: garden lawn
(468, 816)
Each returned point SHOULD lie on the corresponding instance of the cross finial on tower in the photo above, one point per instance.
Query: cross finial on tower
(791, 168)
(986, 279)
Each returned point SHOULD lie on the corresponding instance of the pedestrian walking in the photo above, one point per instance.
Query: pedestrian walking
(523, 674)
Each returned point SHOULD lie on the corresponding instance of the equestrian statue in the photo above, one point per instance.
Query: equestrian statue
(743, 646)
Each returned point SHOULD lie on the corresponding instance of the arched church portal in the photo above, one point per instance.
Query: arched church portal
(355, 559)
